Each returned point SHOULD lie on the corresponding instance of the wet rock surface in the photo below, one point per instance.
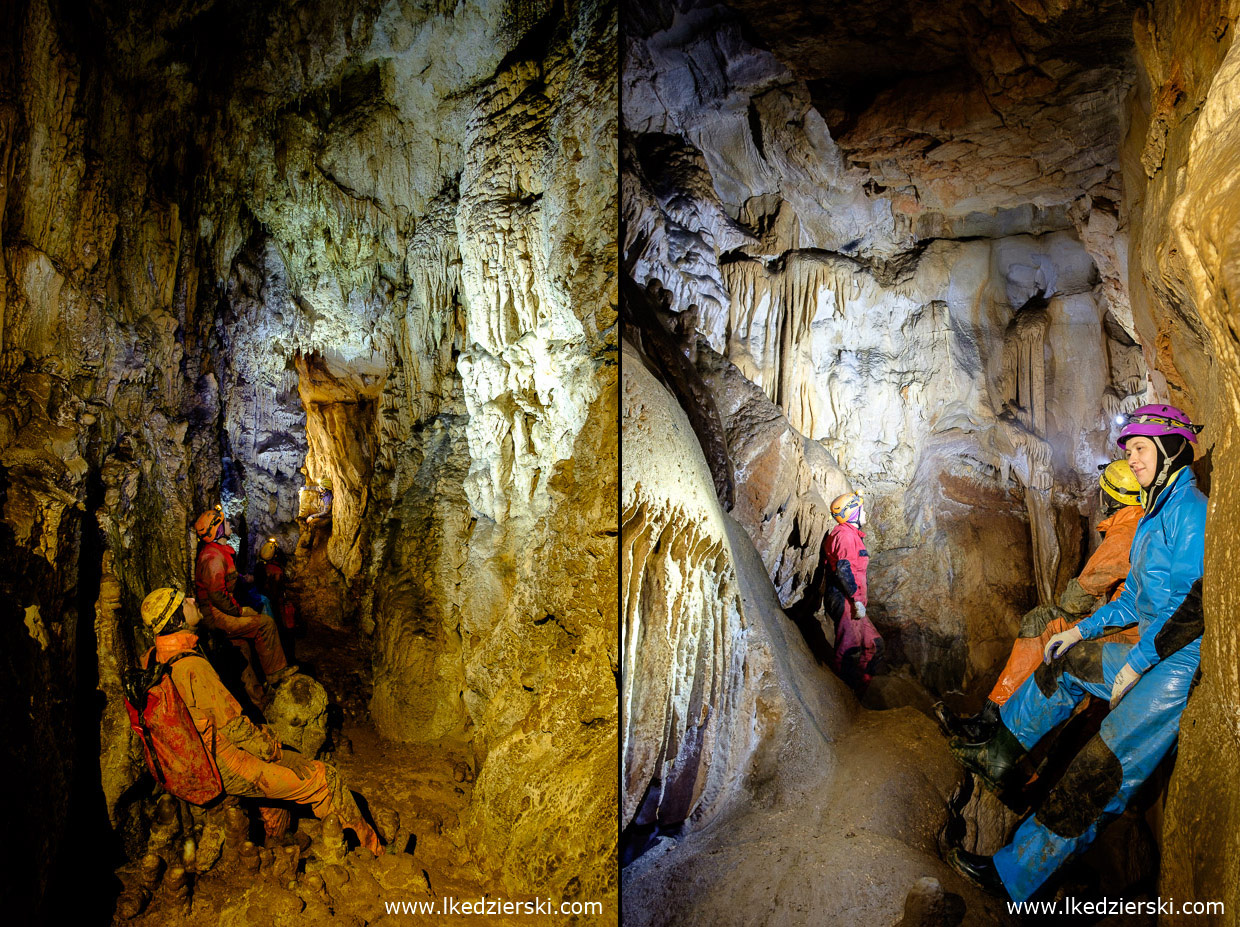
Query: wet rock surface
(960, 354)
(737, 745)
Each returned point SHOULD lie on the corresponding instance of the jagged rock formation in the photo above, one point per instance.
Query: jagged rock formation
(368, 239)
(872, 269)
(912, 233)
(1180, 168)
(734, 739)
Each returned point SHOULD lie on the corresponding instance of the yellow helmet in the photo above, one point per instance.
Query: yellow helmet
(159, 607)
(326, 482)
(269, 548)
(1120, 483)
(846, 507)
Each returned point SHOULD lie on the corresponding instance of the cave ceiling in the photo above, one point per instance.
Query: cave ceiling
(963, 107)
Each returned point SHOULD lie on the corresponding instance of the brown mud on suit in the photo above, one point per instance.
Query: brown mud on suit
(250, 758)
(1103, 577)
(215, 578)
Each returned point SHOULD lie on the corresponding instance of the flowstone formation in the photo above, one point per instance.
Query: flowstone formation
(739, 746)
(911, 238)
(949, 250)
(372, 240)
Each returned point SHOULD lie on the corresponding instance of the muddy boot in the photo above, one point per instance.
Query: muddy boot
(367, 837)
(972, 729)
(980, 870)
(993, 760)
(274, 680)
(387, 823)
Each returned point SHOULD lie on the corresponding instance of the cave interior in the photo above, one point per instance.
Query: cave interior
(247, 247)
(934, 253)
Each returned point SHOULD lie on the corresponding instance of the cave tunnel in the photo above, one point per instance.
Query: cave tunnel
(256, 253)
(937, 254)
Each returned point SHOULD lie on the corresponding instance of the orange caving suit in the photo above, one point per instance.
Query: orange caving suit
(215, 577)
(251, 761)
(1103, 577)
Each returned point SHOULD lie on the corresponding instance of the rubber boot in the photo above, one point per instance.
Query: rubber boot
(980, 870)
(971, 729)
(367, 837)
(993, 760)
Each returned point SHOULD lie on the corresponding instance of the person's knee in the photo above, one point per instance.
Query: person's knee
(1046, 676)
(1081, 797)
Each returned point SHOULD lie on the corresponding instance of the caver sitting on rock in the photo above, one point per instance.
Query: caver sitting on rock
(215, 578)
(323, 517)
(1101, 579)
(1148, 683)
(251, 761)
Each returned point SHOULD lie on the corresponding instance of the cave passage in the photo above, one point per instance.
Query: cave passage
(924, 256)
(347, 272)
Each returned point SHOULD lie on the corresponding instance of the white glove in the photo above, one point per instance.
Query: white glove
(858, 609)
(1061, 643)
(1125, 679)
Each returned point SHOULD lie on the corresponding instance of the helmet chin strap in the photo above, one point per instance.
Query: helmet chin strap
(1164, 471)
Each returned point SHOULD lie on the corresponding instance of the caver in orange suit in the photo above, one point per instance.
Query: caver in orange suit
(251, 760)
(1102, 577)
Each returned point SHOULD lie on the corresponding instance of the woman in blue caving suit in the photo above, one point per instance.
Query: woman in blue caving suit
(1147, 683)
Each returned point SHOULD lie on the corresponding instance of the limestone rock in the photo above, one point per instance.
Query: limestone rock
(716, 695)
(784, 481)
(298, 714)
(893, 331)
(356, 239)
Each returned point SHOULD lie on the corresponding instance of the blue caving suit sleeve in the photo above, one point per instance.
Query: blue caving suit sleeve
(1120, 613)
(1179, 613)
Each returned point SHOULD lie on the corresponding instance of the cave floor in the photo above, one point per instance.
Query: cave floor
(428, 862)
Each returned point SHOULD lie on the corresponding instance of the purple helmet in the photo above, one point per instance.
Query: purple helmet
(1156, 420)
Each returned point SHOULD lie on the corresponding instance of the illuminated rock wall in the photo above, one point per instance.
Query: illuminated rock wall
(934, 294)
(377, 242)
(1180, 164)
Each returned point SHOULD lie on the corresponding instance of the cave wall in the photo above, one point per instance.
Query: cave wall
(931, 286)
(722, 704)
(1180, 159)
(371, 240)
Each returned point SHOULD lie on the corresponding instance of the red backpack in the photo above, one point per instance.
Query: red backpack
(175, 753)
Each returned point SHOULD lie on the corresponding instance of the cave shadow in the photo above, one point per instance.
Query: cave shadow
(82, 883)
(804, 615)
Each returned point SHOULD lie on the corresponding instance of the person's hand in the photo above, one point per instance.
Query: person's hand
(1125, 679)
(247, 612)
(1060, 644)
(858, 609)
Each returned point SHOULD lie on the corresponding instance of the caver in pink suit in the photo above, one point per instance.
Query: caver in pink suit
(858, 645)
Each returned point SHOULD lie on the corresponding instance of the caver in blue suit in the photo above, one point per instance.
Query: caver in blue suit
(1163, 598)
